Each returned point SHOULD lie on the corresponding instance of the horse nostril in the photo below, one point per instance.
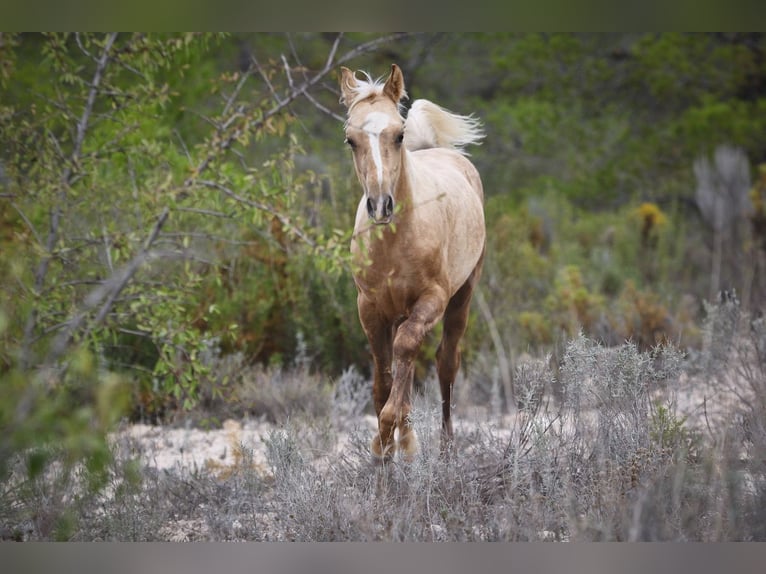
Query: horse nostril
(370, 207)
(389, 206)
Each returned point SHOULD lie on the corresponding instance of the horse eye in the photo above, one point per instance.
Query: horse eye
(350, 142)
(399, 138)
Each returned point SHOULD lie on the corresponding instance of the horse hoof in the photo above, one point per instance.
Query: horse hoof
(380, 454)
(408, 445)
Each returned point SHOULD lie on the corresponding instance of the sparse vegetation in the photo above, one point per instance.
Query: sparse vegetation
(614, 459)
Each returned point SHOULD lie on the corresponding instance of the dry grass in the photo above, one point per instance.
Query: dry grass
(614, 458)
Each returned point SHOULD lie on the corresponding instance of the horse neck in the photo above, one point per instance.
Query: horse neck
(403, 194)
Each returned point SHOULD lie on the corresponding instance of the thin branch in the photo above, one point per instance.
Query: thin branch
(334, 48)
(82, 48)
(181, 141)
(321, 107)
(288, 74)
(136, 332)
(238, 113)
(261, 207)
(107, 246)
(237, 89)
(265, 78)
(294, 52)
(207, 119)
(504, 364)
(369, 46)
(209, 212)
(109, 289)
(76, 282)
(324, 109)
(131, 269)
(318, 105)
(209, 237)
(27, 222)
(82, 125)
(134, 186)
(242, 159)
(55, 142)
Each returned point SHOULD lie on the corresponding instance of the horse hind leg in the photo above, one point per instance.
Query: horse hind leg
(448, 352)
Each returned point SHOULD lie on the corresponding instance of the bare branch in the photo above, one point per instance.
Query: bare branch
(334, 49)
(238, 113)
(82, 125)
(265, 78)
(109, 289)
(369, 46)
(183, 145)
(318, 105)
(237, 89)
(288, 74)
(82, 48)
(497, 341)
(209, 212)
(107, 252)
(180, 235)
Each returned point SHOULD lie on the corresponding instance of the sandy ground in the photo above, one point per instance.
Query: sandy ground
(174, 448)
(188, 449)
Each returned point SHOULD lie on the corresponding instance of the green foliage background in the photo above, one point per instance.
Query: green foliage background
(165, 199)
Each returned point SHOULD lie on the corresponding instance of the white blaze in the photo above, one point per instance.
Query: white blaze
(374, 124)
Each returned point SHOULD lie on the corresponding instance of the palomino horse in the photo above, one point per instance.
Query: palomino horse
(418, 242)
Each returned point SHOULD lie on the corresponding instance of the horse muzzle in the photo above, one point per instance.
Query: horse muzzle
(381, 209)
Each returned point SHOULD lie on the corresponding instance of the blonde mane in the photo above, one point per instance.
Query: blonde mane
(367, 89)
(429, 125)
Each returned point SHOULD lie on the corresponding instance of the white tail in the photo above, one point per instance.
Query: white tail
(429, 125)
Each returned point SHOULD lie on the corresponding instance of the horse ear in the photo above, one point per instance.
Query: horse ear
(348, 84)
(394, 87)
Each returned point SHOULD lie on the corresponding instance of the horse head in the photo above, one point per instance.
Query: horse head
(375, 134)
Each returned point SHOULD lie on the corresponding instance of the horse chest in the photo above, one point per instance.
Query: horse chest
(394, 291)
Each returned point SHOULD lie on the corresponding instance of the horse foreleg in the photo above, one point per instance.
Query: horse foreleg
(380, 335)
(448, 352)
(381, 342)
(407, 341)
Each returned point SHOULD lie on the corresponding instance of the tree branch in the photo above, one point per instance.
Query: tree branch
(262, 207)
(109, 289)
(28, 223)
(82, 125)
(371, 45)
(265, 78)
(295, 92)
(66, 181)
